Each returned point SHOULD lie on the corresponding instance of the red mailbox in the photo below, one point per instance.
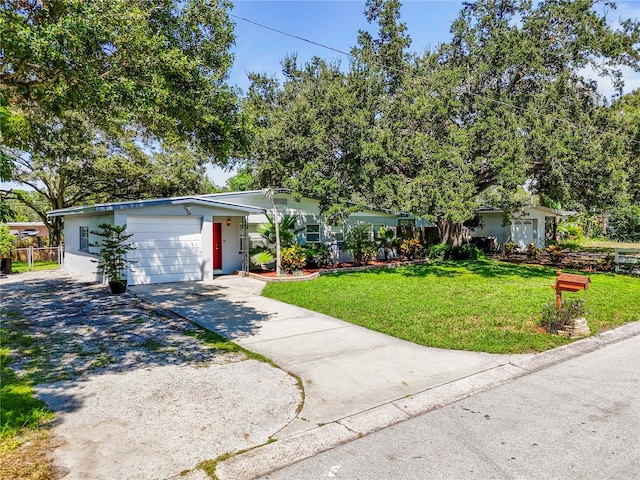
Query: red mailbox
(569, 282)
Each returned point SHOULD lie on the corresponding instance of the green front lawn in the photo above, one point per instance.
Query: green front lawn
(482, 306)
(19, 266)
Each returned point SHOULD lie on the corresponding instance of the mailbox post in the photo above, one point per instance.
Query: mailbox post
(568, 282)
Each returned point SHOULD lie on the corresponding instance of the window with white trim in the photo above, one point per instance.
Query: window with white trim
(312, 233)
(376, 230)
(84, 239)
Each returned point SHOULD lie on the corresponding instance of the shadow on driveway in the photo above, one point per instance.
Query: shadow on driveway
(137, 394)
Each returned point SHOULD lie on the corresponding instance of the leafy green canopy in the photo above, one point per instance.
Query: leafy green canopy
(501, 103)
(111, 100)
(158, 67)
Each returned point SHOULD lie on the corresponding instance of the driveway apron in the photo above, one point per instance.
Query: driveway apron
(345, 369)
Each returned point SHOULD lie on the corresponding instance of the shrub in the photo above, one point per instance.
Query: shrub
(510, 248)
(262, 257)
(6, 241)
(359, 243)
(370, 251)
(532, 251)
(439, 252)
(465, 252)
(292, 258)
(555, 254)
(569, 230)
(553, 319)
(411, 248)
(607, 264)
(317, 255)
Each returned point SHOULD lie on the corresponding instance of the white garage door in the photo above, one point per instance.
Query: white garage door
(168, 249)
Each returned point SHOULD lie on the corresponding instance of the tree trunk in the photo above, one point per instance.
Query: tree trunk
(55, 227)
(450, 233)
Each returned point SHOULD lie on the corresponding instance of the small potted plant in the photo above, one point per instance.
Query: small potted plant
(112, 259)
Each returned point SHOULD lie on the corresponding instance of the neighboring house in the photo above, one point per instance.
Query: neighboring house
(28, 229)
(196, 237)
(532, 223)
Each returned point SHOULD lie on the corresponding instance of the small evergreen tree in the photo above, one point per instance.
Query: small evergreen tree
(112, 259)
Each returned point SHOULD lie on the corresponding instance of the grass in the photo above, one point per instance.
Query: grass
(596, 245)
(28, 460)
(19, 266)
(479, 306)
(23, 444)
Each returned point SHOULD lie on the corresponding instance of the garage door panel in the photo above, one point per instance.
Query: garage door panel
(168, 262)
(167, 278)
(167, 252)
(142, 270)
(168, 249)
(167, 237)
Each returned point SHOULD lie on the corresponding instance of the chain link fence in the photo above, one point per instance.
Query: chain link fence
(35, 255)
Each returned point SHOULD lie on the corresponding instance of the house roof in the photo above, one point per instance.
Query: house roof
(24, 224)
(212, 200)
(551, 211)
(288, 191)
(153, 202)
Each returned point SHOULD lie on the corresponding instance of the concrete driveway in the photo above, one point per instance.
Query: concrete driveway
(137, 394)
(345, 369)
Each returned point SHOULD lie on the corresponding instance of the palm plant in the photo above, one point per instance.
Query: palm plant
(358, 242)
(262, 258)
(385, 240)
(288, 230)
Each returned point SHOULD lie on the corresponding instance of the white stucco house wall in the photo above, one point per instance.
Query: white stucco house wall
(194, 238)
(531, 223)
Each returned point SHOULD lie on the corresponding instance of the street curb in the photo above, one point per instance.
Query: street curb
(263, 460)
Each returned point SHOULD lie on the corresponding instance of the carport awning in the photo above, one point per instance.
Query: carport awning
(257, 219)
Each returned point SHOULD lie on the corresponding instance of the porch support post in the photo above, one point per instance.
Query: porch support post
(246, 246)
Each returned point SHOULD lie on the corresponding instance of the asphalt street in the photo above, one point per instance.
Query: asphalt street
(579, 419)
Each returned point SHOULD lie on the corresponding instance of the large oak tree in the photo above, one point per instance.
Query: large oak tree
(503, 102)
(117, 98)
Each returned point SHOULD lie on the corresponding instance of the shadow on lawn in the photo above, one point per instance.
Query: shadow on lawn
(483, 268)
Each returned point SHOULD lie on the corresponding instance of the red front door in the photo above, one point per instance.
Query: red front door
(217, 246)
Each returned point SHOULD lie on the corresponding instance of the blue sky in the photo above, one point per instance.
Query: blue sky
(332, 22)
(335, 23)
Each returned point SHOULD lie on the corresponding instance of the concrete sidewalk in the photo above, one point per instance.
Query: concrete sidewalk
(345, 369)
